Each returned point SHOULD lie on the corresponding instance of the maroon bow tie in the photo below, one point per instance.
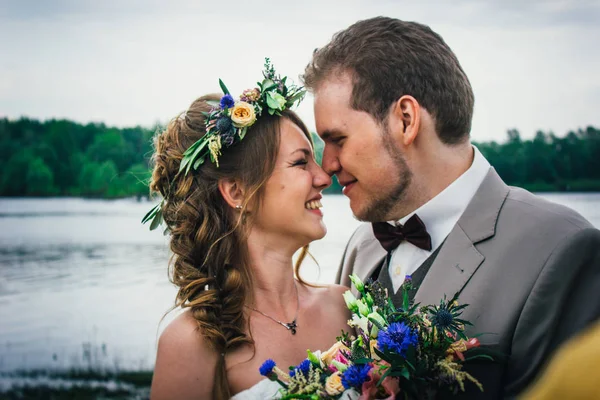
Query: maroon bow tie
(413, 231)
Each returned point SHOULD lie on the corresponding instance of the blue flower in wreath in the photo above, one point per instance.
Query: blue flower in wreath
(228, 138)
(224, 124)
(227, 101)
(398, 337)
(267, 367)
(355, 376)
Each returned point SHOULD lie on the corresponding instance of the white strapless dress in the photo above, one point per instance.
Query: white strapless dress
(268, 389)
(263, 390)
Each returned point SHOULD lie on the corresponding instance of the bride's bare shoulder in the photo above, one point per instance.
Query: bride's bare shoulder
(328, 294)
(185, 362)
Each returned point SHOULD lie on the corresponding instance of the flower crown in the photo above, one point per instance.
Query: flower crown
(228, 121)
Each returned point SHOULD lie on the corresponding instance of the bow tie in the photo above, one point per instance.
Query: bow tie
(413, 231)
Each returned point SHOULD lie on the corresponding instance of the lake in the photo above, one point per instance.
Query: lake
(83, 285)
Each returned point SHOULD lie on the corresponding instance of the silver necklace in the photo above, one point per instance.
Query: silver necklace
(290, 326)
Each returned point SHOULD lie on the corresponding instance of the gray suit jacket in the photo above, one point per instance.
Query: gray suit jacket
(528, 268)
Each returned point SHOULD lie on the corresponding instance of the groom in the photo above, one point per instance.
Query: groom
(394, 108)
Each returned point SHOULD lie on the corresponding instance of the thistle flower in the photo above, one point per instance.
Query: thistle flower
(224, 124)
(446, 317)
(443, 319)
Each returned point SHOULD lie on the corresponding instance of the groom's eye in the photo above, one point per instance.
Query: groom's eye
(337, 140)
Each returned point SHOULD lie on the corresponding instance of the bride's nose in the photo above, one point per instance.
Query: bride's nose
(321, 179)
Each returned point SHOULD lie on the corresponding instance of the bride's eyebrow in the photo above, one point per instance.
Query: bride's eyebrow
(304, 150)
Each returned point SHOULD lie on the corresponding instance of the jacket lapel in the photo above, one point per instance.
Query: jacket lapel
(459, 258)
(369, 256)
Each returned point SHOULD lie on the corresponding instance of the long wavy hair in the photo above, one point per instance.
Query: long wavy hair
(208, 239)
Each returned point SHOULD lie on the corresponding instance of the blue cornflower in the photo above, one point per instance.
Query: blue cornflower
(398, 337)
(227, 101)
(304, 367)
(355, 376)
(267, 367)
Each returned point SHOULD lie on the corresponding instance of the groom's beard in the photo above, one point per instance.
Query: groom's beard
(381, 206)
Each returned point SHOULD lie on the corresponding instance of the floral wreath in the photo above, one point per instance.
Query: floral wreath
(228, 121)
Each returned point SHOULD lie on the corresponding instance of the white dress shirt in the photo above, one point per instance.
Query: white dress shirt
(439, 215)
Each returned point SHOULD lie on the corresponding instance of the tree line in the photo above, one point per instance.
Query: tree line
(65, 158)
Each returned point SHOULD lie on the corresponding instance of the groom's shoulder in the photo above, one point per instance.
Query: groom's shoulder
(537, 212)
(362, 235)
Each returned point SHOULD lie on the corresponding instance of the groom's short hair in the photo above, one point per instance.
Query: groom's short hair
(388, 58)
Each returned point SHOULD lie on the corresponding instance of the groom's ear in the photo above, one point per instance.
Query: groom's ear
(232, 192)
(405, 119)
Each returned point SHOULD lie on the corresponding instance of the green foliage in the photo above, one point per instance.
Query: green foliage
(64, 158)
(547, 162)
(39, 179)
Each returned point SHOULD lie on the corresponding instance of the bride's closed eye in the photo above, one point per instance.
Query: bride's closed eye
(300, 162)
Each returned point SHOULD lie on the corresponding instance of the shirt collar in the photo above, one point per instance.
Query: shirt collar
(442, 212)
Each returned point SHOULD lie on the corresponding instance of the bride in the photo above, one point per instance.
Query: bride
(241, 194)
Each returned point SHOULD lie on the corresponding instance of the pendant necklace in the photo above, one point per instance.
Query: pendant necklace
(290, 326)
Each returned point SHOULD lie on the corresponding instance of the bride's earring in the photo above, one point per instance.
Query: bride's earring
(238, 207)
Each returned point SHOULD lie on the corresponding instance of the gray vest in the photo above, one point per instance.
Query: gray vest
(417, 277)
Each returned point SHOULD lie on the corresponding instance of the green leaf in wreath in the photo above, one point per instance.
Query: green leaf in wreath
(213, 103)
(267, 85)
(223, 87)
(242, 132)
(194, 156)
(150, 214)
(199, 162)
(157, 220)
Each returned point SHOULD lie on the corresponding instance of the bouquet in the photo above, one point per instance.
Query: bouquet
(413, 352)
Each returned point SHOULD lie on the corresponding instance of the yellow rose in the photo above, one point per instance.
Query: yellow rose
(333, 384)
(332, 352)
(372, 345)
(242, 114)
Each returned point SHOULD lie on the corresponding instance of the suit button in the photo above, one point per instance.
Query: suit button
(397, 270)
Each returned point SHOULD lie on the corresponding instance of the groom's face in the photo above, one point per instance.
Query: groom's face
(360, 152)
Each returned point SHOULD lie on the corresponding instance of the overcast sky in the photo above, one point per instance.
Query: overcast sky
(533, 64)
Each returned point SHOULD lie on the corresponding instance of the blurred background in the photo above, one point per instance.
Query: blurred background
(84, 85)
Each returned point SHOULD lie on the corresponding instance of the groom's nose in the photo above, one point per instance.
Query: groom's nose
(331, 162)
